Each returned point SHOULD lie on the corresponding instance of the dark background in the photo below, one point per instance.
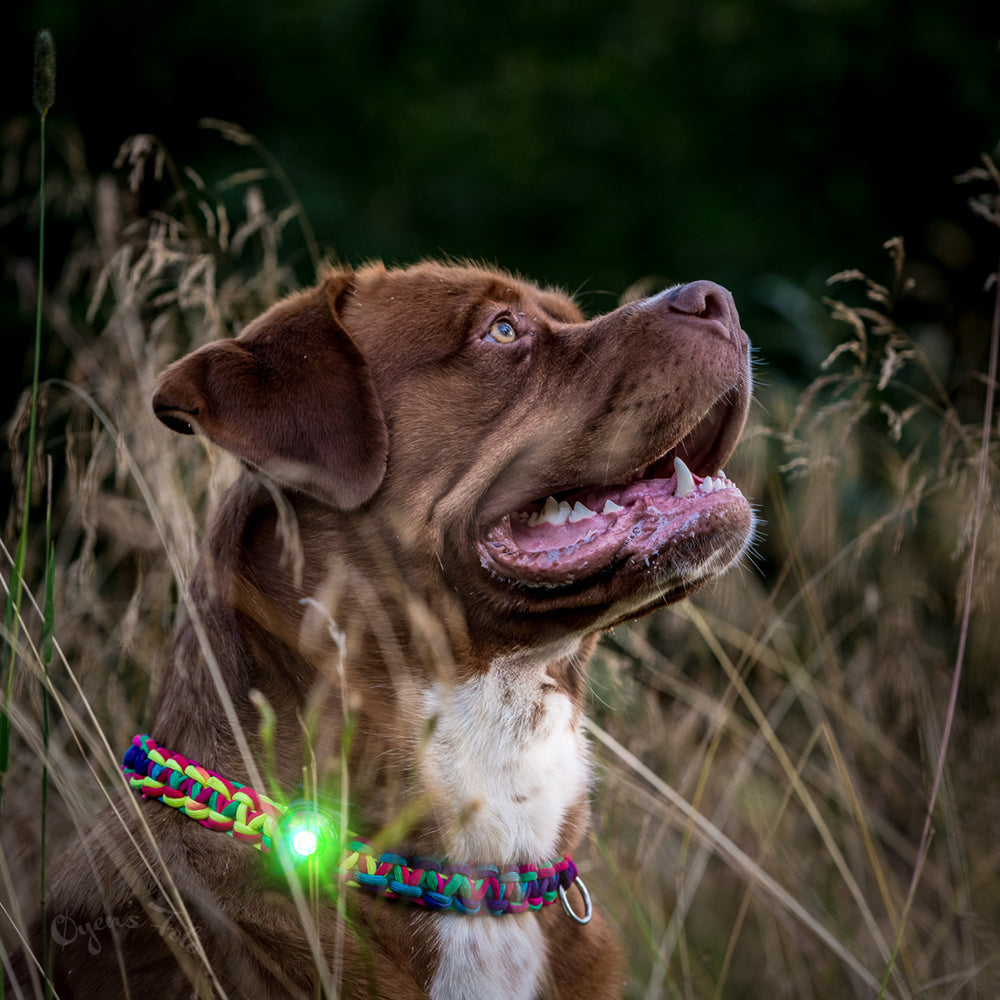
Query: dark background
(588, 144)
(764, 144)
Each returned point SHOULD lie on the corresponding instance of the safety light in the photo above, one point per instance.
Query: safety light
(304, 843)
(308, 830)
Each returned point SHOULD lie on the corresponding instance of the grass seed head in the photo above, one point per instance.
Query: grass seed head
(44, 91)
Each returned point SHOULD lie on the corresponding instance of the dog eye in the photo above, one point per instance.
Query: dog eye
(502, 332)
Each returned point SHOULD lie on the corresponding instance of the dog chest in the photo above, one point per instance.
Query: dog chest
(488, 959)
(505, 761)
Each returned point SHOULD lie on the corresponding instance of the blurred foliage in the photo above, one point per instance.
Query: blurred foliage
(765, 145)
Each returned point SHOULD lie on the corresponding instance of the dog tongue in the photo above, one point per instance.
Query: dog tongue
(581, 534)
(567, 522)
(560, 523)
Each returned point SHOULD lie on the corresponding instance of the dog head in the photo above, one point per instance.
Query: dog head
(509, 450)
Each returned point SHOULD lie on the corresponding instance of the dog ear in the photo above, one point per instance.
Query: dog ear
(292, 395)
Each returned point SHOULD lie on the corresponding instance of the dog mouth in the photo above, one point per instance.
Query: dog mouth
(672, 517)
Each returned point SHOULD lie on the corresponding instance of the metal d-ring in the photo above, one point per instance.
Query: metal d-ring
(588, 909)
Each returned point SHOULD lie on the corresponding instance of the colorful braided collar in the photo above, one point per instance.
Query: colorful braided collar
(254, 819)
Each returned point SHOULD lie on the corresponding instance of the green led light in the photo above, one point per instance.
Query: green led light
(305, 843)
(308, 831)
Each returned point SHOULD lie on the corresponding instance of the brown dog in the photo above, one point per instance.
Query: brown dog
(452, 484)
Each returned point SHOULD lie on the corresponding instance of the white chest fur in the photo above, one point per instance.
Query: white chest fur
(488, 958)
(505, 761)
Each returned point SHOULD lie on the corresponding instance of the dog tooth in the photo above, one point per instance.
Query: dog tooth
(580, 512)
(610, 507)
(707, 485)
(685, 481)
(549, 512)
(720, 474)
(554, 512)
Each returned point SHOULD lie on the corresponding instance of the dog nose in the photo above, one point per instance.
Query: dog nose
(706, 300)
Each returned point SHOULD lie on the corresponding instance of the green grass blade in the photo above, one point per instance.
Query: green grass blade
(47, 646)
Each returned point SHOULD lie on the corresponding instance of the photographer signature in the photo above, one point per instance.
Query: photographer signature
(67, 931)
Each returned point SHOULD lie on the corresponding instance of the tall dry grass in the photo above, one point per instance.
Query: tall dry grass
(768, 753)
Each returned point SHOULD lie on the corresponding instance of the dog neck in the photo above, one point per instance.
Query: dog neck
(487, 750)
(518, 786)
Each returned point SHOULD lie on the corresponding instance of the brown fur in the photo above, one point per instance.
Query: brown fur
(344, 575)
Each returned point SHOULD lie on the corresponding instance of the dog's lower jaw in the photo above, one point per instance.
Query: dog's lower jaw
(673, 538)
